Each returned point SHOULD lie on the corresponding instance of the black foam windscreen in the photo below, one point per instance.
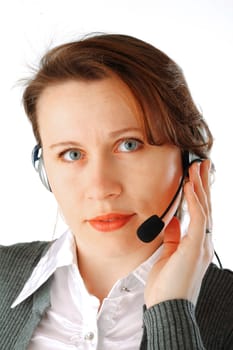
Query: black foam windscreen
(150, 229)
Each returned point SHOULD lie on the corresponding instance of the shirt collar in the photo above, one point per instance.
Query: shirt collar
(62, 252)
(142, 271)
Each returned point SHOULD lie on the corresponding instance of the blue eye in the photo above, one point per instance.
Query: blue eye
(72, 155)
(129, 145)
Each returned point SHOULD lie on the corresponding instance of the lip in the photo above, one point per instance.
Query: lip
(110, 222)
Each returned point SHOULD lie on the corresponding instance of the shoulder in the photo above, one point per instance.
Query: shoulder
(214, 309)
(218, 280)
(16, 265)
(21, 252)
(17, 262)
(217, 289)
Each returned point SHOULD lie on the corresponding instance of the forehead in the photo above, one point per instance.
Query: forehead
(77, 104)
(111, 85)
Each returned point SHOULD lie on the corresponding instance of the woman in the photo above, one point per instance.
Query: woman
(116, 129)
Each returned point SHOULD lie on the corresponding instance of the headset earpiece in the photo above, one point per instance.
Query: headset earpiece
(38, 164)
(194, 158)
(188, 159)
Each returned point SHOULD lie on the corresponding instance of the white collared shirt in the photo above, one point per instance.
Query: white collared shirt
(74, 320)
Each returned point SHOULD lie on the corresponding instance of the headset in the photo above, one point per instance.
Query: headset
(150, 228)
(38, 163)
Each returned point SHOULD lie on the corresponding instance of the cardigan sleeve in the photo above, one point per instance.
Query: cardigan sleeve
(171, 325)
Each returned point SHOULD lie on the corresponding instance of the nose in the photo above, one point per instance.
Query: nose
(103, 180)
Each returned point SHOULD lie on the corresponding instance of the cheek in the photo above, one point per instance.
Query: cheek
(70, 207)
(153, 188)
(65, 189)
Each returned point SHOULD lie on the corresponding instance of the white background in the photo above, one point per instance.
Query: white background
(198, 34)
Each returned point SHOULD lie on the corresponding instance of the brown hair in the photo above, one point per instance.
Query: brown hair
(157, 82)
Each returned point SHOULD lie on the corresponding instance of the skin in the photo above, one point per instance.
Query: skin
(179, 272)
(91, 118)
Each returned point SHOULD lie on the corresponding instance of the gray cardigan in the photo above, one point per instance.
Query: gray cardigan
(173, 324)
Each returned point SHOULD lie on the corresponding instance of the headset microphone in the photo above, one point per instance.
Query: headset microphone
(152, 227)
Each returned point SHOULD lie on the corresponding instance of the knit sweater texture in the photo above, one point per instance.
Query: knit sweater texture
(173, 324)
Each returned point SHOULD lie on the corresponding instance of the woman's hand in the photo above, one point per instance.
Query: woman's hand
(179, 272)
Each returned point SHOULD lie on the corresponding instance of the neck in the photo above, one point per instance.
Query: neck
(100, 271)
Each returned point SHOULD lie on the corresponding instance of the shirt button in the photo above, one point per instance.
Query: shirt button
(89, 336)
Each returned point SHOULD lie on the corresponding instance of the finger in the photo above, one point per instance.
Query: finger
(172, 236)
(195, 178)
(197, 224)
(209, 248)
(205, 176)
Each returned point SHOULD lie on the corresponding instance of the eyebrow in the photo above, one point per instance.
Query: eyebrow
(121, 131)
(65, 144)
(111, 134)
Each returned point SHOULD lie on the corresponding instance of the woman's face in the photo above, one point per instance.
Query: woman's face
(105, 176)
